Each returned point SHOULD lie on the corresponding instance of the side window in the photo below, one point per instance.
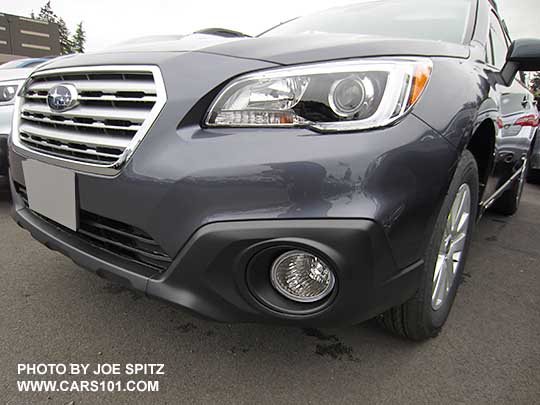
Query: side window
(499, 44)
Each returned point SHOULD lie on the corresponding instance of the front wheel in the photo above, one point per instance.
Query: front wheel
(424, 315)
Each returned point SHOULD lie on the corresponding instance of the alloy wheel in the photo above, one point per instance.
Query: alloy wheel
(451, 251)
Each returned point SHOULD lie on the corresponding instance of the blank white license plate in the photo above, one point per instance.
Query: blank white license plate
(51, 192)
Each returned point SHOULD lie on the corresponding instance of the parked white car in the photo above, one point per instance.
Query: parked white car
(12, 76)
(534, 174)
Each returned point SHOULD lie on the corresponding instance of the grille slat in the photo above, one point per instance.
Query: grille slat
(153, 256)
(119, 232)
(69, 122)
(67, 148)
(116, 106)
(133, 115)
(67, 136)
(105, 86)
(143, 99)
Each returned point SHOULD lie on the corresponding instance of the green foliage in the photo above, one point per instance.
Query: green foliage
(535, 84)
(46, 13)
(79, 38)
(68, 44)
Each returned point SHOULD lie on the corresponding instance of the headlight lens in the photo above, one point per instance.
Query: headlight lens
(8, 91)
(332, 96)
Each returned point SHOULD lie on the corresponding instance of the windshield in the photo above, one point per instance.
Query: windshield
(439, 20)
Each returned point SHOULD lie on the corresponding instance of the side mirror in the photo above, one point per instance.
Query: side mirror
(523, 55)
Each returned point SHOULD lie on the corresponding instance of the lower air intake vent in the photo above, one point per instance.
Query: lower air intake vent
(115, 237)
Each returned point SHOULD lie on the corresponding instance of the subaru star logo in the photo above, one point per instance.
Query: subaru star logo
(63, 97)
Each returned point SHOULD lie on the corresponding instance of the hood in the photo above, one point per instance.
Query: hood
(186, 43)
(304, 48)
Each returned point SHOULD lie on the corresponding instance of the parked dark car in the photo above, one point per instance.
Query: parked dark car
(323, 173)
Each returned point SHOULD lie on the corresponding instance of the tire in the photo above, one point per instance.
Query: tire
(534, 176)
(423, 316)
(508, 203)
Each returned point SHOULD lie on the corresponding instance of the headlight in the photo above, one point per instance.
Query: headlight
(8, 91)
(332, 96)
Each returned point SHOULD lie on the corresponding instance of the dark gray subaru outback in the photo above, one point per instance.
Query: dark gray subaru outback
(323, 173)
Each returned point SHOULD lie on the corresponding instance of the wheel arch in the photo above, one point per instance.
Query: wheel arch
(482, 145)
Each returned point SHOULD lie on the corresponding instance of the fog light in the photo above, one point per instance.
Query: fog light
(302, 277)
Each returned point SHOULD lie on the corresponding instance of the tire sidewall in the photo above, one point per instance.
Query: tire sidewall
(466, 173)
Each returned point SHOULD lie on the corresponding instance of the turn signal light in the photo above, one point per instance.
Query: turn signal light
(420, 80)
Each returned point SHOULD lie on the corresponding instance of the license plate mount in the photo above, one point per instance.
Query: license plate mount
(52, 192)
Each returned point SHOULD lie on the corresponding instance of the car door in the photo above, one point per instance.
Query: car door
(512, 142)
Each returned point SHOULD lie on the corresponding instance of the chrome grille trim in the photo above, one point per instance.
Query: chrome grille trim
(83, 152)
(73, 136)
(69, 122)
(112, 97)
(95, 113)
(96, 85)
(100, 135)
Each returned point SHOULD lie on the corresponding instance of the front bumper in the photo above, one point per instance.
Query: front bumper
(209, 274)
(372, 223)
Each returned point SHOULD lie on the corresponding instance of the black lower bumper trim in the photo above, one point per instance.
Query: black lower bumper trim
(209, 276)
(3, 155)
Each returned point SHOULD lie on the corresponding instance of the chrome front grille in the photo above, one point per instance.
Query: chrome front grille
(116, 107)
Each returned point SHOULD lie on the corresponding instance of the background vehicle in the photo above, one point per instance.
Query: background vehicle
(519, 130)
(23, 63)
(12, 75)
(320, 174)
(530, 121)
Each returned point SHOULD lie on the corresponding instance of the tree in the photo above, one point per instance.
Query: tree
(46, 13)
(79, 39)
(535, 84)
(67, 45)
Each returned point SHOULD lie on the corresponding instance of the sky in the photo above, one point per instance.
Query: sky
(108, 22)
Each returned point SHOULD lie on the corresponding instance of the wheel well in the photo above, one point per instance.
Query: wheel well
(482, 146)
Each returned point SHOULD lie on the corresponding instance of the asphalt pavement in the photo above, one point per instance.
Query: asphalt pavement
(51, 311)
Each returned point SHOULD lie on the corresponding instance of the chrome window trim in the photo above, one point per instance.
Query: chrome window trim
(83, 167)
